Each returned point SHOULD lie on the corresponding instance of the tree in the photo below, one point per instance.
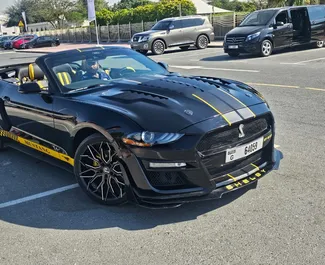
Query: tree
(104, 16)
(128, 4)
(14, 12)
(55, 11)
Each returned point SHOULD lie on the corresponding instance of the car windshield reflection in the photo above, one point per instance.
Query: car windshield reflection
(94, 68)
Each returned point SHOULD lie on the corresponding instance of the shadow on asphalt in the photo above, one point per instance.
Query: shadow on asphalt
(226, 57)
(73, 210)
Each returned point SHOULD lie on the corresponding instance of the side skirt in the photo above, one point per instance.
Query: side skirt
(38, 155)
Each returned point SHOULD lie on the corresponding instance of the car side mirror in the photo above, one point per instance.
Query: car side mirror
(278, 24)
(166, 66)
(29, 88)
(171, 27)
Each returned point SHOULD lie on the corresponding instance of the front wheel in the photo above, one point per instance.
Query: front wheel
(266, 48)
(99, 171)
(319, 44)
(158, 47)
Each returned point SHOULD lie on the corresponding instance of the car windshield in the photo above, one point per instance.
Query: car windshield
(258, 18)
(162, 25)
(96, 68)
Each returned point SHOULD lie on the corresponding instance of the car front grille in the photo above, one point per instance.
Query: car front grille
(213, 145)
(235, 40)
(212, 142)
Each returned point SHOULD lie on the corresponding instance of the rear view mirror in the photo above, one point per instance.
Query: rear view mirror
(171, 27)
(29, 88)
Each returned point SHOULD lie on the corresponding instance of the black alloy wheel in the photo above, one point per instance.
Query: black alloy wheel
(158, 47)
(99, 171)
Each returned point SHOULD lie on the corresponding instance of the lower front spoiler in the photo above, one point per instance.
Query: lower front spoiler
(175, 200)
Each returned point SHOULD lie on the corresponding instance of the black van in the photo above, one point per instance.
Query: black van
(265, 30)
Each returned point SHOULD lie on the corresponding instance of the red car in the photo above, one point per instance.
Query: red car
(20, 43)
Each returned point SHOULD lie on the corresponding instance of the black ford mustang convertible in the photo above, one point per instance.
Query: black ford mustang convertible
(132, 131)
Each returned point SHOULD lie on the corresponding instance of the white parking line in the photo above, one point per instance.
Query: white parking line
(189, 67)
(307, 61)
(37, 196)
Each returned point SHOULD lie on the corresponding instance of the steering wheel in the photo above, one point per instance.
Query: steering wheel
(126, 70)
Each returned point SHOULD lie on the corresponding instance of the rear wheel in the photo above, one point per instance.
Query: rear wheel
(266, 48)
(202, 42)
(99, 171)
(158, 47)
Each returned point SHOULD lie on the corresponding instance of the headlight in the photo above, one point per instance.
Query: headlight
(253, 36)
(147, 139)
(144, 38)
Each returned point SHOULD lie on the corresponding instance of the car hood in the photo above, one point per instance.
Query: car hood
(244, 31)
(172, 103)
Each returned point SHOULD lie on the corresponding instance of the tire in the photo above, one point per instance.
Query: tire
(184, 48)
(233, 54)
(158, 47)
(319, 44)
(101, 178)
(266, 48)
(202, 42)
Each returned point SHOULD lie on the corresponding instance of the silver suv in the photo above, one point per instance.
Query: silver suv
(174, 32)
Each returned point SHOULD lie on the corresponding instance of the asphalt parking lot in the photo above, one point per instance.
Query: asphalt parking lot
(46, 219)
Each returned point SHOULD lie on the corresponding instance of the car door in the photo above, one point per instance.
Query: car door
(175, 34)
(317, 21)
(39, 42)
(282, 34)
(29, 114)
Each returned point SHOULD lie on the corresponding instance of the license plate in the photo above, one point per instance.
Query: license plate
(244, 150)
(233, 47)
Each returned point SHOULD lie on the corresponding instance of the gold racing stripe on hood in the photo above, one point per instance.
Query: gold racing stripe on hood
(215, 109)
(254, 115)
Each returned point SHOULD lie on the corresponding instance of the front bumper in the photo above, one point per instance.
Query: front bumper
(157, 188)
(243, 47)
(140, 46)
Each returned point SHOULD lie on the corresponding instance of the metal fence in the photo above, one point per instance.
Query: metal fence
(124, 32)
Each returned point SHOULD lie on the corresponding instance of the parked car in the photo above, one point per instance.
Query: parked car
(174, 32)
(132, 131)
(9, 43)
(20, 43)
(263, 31)
(42, 41)
(5, 38)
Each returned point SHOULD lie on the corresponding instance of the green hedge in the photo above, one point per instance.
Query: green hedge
(146, 13)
